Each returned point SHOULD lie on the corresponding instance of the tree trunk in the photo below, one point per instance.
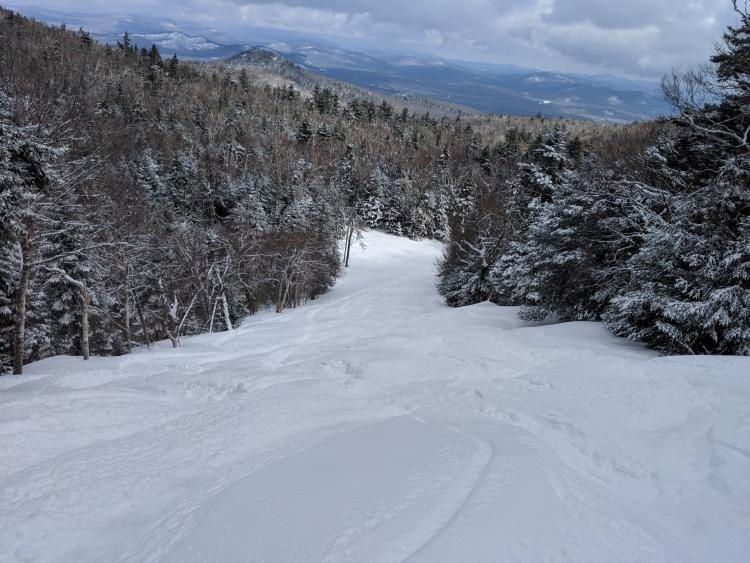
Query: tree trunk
(286, 294)
(213, 314)
(144, 326)
(85, 301)
(349, 235)
(19, 324)
(283, 296)
(170, 325)
(205, 300)
(172, 339)
(227, 318)
(251, 307)
(279, 295)
(126, 311)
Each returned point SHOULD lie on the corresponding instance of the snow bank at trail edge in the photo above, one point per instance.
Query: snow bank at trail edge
(377, 424)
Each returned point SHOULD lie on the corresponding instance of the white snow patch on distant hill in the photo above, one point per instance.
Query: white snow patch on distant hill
(178, 41)
(280, 46)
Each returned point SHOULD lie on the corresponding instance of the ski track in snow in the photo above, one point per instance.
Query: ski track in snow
(377, 424)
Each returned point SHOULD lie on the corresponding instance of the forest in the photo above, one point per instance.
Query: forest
(144, 199)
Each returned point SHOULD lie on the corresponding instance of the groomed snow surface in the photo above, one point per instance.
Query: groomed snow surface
(377, 424)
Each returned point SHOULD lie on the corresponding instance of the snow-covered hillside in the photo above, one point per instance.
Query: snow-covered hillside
(377, 424)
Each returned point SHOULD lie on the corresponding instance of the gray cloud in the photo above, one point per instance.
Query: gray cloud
(636, 37)
(640, 36)
(613, 15)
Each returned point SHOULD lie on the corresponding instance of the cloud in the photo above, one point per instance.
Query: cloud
(640, 37)
(636, 37)
(438, 15)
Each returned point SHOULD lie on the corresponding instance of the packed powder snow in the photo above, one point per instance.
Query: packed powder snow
(377, 424)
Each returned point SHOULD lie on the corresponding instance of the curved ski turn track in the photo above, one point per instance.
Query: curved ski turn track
(377, 424)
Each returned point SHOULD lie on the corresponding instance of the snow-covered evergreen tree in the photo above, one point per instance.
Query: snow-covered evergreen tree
(690, 286)
(26, 216)
(689, 289)
(535, 268)
(465, 269)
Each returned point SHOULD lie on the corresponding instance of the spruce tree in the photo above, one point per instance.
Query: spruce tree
(690, 288)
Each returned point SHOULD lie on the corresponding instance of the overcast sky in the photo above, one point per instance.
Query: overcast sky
(630, 37)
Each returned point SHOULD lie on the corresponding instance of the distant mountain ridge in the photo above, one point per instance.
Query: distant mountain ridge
(484, 87)
(194, 47)
(274, 68)
(498, 89)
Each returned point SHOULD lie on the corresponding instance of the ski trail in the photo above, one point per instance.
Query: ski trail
(377, 424)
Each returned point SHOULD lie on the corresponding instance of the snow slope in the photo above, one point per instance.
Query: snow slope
(377, 424)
